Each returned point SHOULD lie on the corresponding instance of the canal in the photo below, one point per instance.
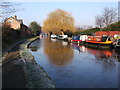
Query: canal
(75, 66)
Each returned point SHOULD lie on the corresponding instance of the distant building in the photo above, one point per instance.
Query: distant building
(17, 24)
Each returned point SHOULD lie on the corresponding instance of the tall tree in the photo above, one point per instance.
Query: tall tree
(58, 21)
(118, 16)
(36, 28)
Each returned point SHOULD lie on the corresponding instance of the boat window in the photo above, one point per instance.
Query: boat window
(76, 37)
(104, 39)
(109, 39)
(118, 40)
(114, 40)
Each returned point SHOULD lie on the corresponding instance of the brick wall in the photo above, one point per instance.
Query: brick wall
(108, 33)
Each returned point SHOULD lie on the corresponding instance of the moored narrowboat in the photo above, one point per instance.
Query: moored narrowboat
(79, 39)
(99, 41)
(75, 39)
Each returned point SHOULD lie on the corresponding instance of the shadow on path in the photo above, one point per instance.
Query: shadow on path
(12, 71)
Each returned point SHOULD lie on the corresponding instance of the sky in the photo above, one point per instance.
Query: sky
(83, 12)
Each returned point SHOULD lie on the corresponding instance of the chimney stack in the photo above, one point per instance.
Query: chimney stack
(15, 17)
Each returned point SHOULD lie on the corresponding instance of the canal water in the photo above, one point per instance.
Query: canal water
(75, 66)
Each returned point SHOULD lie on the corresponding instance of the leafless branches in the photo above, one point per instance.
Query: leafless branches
(99, 21)
(108, 17)
(7, 8)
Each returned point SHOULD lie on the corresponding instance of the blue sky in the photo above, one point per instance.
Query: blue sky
(83, 12)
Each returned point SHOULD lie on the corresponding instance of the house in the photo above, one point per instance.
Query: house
(17, 24)
(13, 22)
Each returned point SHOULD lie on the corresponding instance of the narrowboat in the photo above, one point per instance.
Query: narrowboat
(75, 39)
(99, 41)
(79, 39)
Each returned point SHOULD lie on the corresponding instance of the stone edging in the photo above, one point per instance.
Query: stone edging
(36, 77)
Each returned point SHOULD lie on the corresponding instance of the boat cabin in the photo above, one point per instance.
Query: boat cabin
(79, 38)
(62, 37)
(99, 38)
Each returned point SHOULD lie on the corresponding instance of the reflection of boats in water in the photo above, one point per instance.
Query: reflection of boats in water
(79, 48)
(53, 40)
(100, 53)
(96, 52)
(64, 43)
(108, 56)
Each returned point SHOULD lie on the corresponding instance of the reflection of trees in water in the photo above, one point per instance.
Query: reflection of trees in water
(106, 56)
(107, 63)
(108, 59)
(117, 55)
(35, 45)
(111, 56)
(57, 53)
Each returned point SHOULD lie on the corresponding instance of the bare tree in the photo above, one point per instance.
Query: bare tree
(99, 21)
(119, 11)
(109, 16)
(8, 7)
(59, 21)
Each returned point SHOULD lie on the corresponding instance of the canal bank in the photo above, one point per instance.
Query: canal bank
(20, 67)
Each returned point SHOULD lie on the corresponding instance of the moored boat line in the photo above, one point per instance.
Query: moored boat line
(100, 41)
(103, 41)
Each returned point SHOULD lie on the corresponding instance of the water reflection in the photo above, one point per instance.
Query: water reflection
(59, 53)
(108, 56)
(117, 54)
(75, 66)
(35, 45)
